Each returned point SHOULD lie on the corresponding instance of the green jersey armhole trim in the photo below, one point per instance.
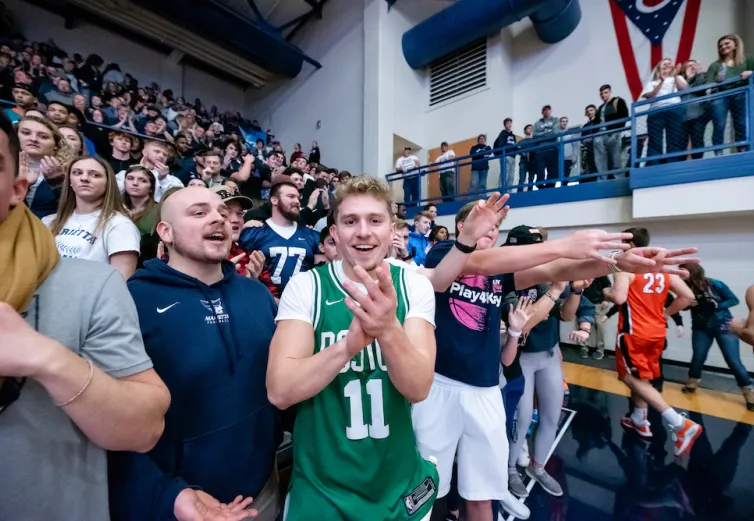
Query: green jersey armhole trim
(317, 309)
(404, 288)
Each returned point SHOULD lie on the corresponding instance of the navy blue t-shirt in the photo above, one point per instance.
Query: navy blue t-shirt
(468, 318)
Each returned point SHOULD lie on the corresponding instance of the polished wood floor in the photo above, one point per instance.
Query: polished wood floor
(713, 403)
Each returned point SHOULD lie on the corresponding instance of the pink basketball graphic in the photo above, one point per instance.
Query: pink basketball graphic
(472, 316)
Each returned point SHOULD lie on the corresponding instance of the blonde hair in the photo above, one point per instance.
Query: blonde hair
(63, 152)
(362, 185)
(657, 71)
(112, 202)
(738, 55)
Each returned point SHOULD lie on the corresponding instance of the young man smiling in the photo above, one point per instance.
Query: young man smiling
(354, 353)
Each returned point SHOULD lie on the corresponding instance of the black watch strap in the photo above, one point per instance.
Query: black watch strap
(465, 249)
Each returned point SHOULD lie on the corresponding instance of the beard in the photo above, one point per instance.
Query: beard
(197, 252)
(291, 212)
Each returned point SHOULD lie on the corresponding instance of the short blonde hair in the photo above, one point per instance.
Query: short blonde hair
(362, 185)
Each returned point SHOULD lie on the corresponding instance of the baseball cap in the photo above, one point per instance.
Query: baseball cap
(522, 235)
(229, 195)
(24, 86)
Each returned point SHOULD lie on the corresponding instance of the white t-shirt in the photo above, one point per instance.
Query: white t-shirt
(77, 239)
(668, 87)
(297, 301)
(406, 163)
(447, 156)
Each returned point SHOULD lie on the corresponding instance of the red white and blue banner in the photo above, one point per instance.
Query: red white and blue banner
(652, 18)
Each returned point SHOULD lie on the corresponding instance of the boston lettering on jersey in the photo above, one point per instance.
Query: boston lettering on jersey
(355, 454)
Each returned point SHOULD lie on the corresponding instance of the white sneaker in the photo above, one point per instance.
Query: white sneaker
(523, 456)
(514, 507)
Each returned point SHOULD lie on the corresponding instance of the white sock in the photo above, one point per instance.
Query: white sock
(675, 420)
(639, 416)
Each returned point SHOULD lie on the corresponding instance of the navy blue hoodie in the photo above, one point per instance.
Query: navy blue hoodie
(209, 344)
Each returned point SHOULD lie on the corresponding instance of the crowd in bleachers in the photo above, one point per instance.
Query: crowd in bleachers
(600, 148)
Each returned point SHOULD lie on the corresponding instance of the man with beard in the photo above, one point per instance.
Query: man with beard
(220, 431)
(288, 248)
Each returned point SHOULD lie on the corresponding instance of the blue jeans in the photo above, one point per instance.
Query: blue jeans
(512, 393)
(701, 342)
(670, 124)
(411, 190)
(720, 107)
(478, 181)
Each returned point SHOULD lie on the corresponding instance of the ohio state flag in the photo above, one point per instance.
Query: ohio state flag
(653, 18)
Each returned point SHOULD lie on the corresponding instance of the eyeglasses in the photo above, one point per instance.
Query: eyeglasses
(10, 392)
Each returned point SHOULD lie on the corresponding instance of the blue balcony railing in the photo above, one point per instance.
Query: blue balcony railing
(596, 161)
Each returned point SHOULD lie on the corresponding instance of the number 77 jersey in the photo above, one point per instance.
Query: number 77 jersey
(355, 456)
(287, 251)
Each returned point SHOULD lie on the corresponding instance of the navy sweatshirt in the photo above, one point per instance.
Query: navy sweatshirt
(209, 344)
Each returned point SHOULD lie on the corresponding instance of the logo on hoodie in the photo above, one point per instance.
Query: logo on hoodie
(218, 312)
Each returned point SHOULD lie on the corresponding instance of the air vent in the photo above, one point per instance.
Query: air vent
(462, 71)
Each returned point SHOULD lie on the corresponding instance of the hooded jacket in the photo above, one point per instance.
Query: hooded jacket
(209, 344)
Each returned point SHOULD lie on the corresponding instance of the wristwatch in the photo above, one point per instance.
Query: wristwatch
(614, 267)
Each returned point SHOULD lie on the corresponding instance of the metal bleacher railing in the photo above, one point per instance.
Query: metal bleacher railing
(702, 122)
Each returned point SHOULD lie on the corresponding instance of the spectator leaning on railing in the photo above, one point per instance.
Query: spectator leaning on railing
(411, 185)
(607, 147)
(732, 62)
(697, 115)
(587, 164)
(570, 149)
(665, 80)
(546, 158)
(447, 172)
(507, 138)
(480, 165)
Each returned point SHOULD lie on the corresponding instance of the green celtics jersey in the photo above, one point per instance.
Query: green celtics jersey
(354, 451)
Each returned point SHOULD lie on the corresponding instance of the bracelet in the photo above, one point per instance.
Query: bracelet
(86, 385)
(614, 267)
(575, 291)
(465, 249)
(407, 258)
(585, 330)
(514, 333)
(551, 297)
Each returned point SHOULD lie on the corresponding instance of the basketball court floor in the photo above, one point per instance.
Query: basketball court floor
(607, 474)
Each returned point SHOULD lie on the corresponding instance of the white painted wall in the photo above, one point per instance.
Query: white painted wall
(145, 64)
(568, 75)
(726, 247)
(333, 95)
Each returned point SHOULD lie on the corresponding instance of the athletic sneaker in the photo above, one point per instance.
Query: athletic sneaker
(585, 352)
(514, 507)
(599, 354)
(685, 437)
(523, 459)
(548, 483)
(516, 484)
(642, 429)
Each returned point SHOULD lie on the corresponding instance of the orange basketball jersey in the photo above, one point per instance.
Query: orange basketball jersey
(642, 315)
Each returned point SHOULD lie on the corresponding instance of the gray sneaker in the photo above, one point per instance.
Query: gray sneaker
(599, 354)
(516, 484)
(548, 483)
(584, 352)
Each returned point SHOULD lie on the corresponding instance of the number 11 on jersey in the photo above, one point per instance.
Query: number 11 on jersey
(358, 429)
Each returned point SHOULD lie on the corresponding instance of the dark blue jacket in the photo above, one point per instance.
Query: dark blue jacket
(209, 344)
(45, 201)
(479, 160)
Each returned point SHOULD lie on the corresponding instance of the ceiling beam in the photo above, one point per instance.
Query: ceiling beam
(315, 11)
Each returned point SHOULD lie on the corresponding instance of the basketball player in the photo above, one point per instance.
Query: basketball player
(354, 353)
(288, 248)
(641, 339)
(744, 328)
